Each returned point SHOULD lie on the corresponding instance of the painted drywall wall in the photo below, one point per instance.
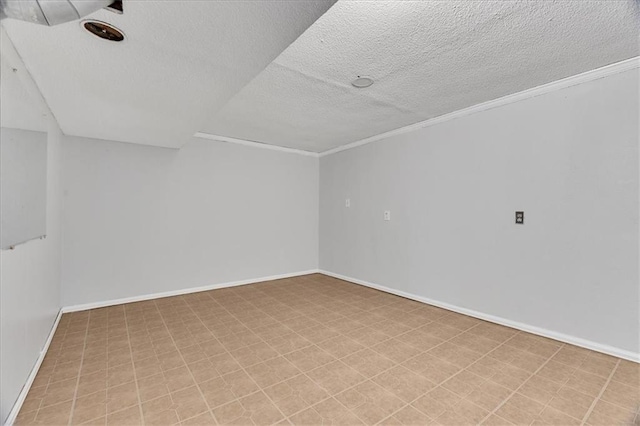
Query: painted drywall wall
(568, 159)
(30, 289)
(23, 186)
(142, 220)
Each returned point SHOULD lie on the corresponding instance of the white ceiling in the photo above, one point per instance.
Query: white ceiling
(17, 109)
(427, 59)
(181, 61)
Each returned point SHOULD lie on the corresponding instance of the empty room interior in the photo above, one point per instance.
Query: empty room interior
(320, 212)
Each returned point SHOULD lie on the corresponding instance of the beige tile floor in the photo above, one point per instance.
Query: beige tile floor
(316, 350)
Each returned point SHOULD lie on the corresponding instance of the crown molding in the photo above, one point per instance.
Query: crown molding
(574, 80)
(254, 144)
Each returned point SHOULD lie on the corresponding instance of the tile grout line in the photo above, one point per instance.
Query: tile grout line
(424, 393)
(241, 367)
(312, 344)
(283, 355)
(186, 365)
(564, 383)
(451, 377)
(226, 403)
(604, 387)
(260, 389)
(395, 363)
(522, 384)
(75, 392)
(300, 312)
(340, 360)
(135, 375)
(48, 380)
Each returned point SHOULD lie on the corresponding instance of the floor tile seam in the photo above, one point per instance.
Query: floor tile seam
(556, 394)
(396, 364)
(285, 355)
(421, 352)
(135, 374)
(268, 314)
(245, 372)
(515, 391)
(251, 331)
(598, 398)
(449, 378)
(45, 392)
(424, 393)
(75, 392)
(600, 375)
(320, 348)
(387, 339)
(612, 380)
(190, 374)
(384, 356)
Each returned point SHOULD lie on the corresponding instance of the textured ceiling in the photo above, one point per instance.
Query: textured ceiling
(427, 59)
(181, 61)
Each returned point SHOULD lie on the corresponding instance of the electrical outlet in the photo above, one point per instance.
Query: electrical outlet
(347, 202)
(520, 218)
(387, 215)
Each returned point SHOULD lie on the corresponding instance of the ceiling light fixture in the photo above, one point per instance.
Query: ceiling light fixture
(361, 82)
(103, 30)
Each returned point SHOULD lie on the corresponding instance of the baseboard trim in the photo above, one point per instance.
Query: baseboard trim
(577, 341)
(588, 344)
(32, 375)
(143, 297)
(83, 307)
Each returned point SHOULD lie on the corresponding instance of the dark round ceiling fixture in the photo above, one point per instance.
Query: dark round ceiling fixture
(103, 30)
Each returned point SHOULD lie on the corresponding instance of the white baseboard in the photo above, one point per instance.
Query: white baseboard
(94, 305)
(577, 341)
(32, 376)
(588, 344)
(75, 308)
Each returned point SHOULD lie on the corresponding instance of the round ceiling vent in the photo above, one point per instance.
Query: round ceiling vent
(103, 30)
(361, 82)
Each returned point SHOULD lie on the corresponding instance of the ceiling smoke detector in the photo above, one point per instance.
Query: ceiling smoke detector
(103, 30)
(361, 82)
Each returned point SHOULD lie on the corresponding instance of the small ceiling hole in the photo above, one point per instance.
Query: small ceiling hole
(103, 30)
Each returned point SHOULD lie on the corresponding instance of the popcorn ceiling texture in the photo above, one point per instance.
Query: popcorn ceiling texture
(427, 59)
(209, 66)
(180, 62)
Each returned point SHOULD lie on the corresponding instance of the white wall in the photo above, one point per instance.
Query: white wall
(23, 186)
(142, 220)
(30, 290)
(569, 159)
